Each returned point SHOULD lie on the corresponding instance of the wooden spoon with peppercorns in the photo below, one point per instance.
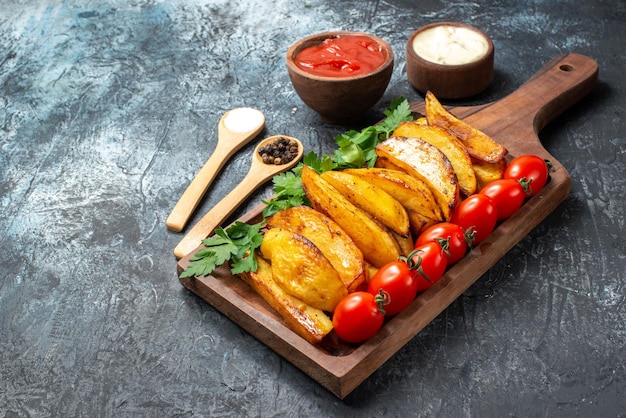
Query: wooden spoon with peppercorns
(272, 156)
(235, 129)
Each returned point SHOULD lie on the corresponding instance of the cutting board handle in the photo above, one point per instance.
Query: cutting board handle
(562, 82)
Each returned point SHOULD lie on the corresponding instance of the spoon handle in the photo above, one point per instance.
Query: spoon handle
(221, 211)
(189, 200)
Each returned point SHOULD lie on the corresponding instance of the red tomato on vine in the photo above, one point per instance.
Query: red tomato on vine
(507, 194)
(477, 214)
(358, 316)
(451, 237)
(397, 284)
(530, 168)
(430, 262)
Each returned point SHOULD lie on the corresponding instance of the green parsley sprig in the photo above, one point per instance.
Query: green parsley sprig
(358, 149)
(238, 243)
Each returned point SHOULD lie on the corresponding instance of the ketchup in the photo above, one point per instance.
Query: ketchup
(342, 56)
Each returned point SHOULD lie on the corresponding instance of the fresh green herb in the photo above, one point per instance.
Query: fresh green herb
(399, 111)
(237, 244)
(288, 192)
(319, 164)
(358, 149)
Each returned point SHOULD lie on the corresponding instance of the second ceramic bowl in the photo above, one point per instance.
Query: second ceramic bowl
(452, 60)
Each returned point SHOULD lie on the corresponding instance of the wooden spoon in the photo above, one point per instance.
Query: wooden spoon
(235, 129)
(258, 174)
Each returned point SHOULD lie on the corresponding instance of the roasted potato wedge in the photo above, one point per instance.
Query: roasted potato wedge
(478, 144)
(309, 323)
(413, 193)
(425, 161)
(301, 269)
(405, 242)
(488, 172)
(421, 120)
(372, 238)
(329, 237)
(371, 271)
(450, 146)
(419, 223)
(372, 199)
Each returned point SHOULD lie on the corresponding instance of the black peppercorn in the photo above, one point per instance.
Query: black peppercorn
(281, 151)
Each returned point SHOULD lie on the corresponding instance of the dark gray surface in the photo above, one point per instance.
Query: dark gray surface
(109, 108)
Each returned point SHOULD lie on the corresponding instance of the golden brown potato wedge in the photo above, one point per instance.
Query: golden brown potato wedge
(372, 199)
(301, 269)
(405, 242)
(413, 193)
(382, 162)
(425, 161)
(478, 144)
(419, 223)
(450, 146)
(310, 323)
(488, 172)
(372, 238)
(421, 120)
(371, 271)
(329, 237)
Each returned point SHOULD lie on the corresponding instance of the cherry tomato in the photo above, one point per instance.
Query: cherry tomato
(478, 212)
(397, 284)
(430, 261)
(507, 194)
(450, 236)
(530, 168)
(358, 316)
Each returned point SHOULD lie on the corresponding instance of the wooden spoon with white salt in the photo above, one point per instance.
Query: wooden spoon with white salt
(235, 129)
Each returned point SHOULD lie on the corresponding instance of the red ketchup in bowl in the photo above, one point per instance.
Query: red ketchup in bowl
(343, 56)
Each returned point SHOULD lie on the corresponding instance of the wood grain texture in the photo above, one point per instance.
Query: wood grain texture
(515, 122)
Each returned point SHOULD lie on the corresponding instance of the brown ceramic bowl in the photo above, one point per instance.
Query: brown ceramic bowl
(449, 80)
(339, 100)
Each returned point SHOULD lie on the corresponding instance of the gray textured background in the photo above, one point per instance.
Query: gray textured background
(108, 109)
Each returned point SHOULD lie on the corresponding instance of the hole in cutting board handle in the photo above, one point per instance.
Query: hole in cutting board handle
(566, 67)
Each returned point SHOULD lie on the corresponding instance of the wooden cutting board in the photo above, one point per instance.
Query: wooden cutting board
(514, 121)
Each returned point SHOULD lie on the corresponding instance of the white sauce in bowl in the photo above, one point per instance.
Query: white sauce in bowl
(450, 45)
